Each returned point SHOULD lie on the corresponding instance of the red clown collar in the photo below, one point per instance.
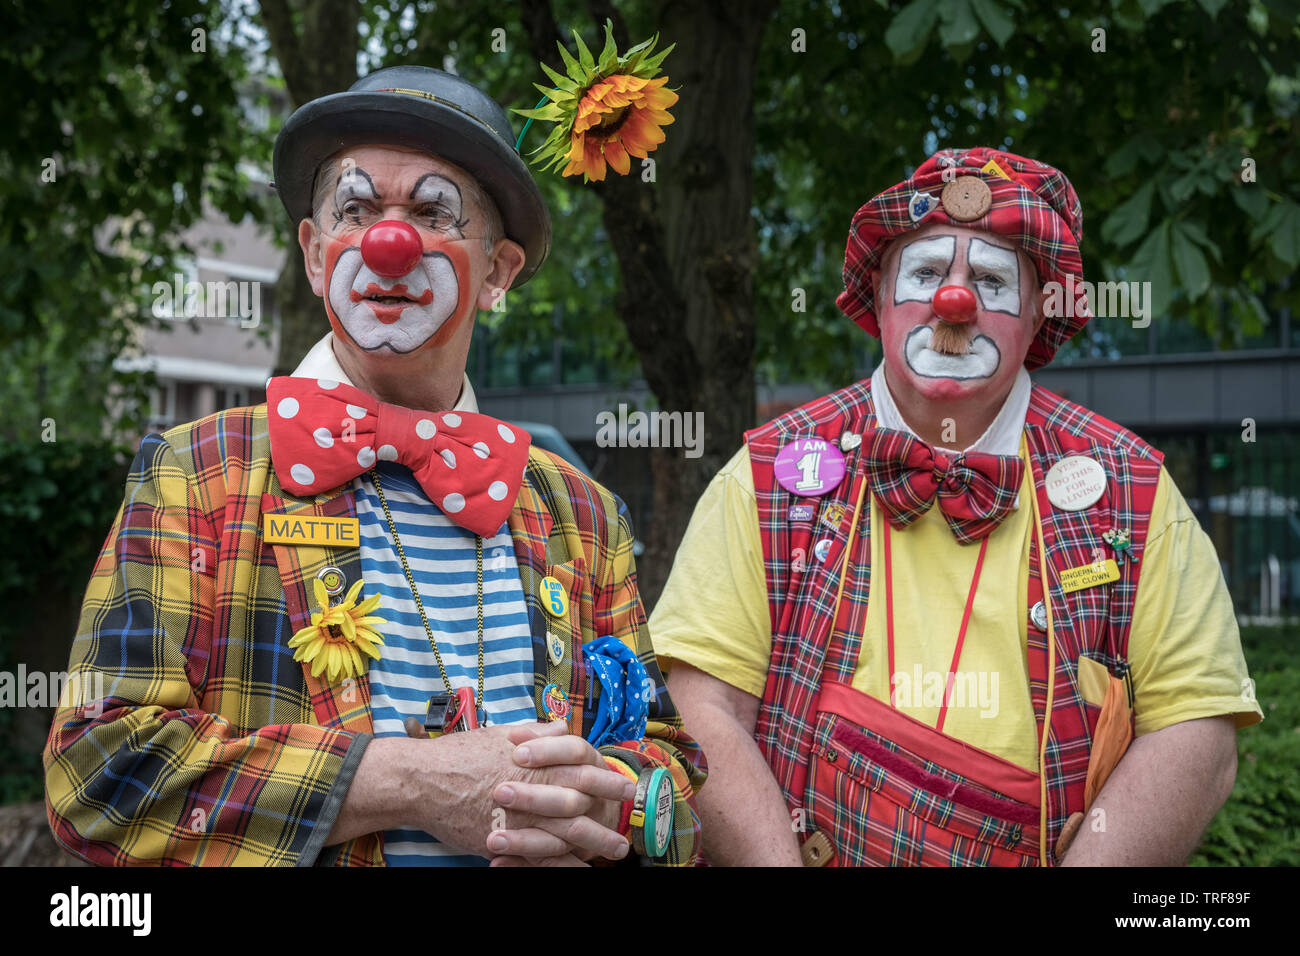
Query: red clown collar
(1027, 201)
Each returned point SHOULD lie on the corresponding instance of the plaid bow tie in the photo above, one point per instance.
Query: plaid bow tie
(975, 491)
(324, 433)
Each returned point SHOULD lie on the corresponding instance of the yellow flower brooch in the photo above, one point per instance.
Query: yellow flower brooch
(337, 635)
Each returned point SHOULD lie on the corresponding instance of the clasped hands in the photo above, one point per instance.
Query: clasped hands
(530, 794)
(568, 812)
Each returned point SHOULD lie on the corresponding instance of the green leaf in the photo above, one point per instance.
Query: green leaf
(958, 27)
(998, 24)
(571, 66)
(1128, 221)
(652, 63)
(563, 82)
(608, 55)
(1251, 200)
(1196, 232)
(908, 32)
(1270, 221)
(1151, 263)
(1193, 270)
(584, 55)
(1286, 237)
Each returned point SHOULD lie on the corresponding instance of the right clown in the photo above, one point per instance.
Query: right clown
(944, 616)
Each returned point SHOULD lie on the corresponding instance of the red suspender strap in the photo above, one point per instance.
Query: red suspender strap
(961, 633)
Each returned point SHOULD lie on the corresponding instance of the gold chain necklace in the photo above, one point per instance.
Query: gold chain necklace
(478, 555)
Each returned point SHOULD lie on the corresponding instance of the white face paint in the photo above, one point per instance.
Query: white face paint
(980, 362)
(431, 287)
(996, 273)
(922, 267)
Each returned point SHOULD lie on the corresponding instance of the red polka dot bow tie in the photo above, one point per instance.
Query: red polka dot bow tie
(975, 491)
(324, 433)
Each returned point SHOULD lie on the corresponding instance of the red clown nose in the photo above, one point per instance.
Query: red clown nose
(391, 248)
(952, 303)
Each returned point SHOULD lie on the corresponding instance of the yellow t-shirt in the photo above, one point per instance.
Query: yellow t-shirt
(1184, 646)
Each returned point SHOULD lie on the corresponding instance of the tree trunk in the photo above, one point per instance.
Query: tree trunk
(310, 41)
(686, 248)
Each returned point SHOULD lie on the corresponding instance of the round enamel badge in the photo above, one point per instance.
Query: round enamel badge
(555, 702)
(554, 598)
(809, 467)
(1075, 482)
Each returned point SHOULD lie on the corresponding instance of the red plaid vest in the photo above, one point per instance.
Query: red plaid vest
(1093, 620)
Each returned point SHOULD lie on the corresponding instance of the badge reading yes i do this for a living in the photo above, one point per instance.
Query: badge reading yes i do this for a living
(809, 467)
(1075, 482)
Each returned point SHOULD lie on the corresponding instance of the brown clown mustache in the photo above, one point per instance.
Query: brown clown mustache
(950, 338)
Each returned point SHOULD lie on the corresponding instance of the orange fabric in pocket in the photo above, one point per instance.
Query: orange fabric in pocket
(1109, 741)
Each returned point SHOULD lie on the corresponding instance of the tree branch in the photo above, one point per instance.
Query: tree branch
(284, 43)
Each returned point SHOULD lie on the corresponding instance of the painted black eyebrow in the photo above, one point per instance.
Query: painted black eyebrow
(460, 202)
(357, 171)
(949, 257)
(995, 245)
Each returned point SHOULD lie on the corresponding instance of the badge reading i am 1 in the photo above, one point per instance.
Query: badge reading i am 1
(809, 467)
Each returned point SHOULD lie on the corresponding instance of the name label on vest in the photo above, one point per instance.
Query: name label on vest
(286, 529)
(1089, 575)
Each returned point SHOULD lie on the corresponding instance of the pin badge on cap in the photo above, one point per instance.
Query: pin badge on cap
(966, 198)
(809, 467)
(920, 206)
(1075, 482)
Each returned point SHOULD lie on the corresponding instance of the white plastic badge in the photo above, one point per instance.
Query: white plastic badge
(1075, 483)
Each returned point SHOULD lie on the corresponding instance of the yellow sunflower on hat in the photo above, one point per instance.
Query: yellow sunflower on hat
(337, 635)
(605, 110)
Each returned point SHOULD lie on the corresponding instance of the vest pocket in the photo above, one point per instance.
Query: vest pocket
(883, 806)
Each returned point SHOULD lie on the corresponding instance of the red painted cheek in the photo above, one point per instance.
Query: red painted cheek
(460, 263)
(333, 249)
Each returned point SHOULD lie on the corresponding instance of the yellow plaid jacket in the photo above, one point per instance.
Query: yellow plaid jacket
(212, 746)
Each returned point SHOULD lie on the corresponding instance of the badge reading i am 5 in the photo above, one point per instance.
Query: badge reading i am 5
(554, 598)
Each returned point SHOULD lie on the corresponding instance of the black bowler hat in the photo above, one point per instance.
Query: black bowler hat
(420, 108)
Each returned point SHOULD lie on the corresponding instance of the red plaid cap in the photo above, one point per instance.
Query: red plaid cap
(1037, 208)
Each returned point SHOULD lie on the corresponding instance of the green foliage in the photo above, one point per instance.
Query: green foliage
(118, 128)
(1260, 823)
(1152, 133)
(57, 501)
(573, 298)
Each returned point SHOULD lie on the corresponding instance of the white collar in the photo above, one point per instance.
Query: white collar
(1002, 437)
(321, 362)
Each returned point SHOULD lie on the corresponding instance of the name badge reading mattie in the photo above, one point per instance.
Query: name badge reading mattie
(286, 529)
(1089, 575)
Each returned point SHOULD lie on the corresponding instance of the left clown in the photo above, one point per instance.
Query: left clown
(362, 623)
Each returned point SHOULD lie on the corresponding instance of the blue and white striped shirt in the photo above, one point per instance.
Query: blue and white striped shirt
(442, 561)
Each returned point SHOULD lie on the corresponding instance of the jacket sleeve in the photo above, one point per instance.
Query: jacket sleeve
(141, 772)
(666, 743)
